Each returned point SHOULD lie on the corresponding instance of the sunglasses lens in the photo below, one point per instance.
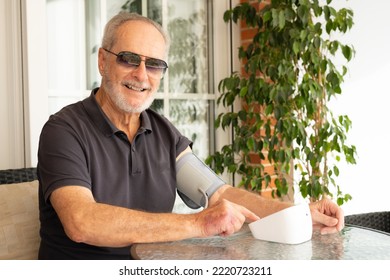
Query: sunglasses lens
(155, 67)
(155, 63)
(128, 58)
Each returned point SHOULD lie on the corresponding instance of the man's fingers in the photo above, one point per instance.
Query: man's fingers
(249, 215)
(324, 219)
(328, 214)
(326, 224)
(225, 218)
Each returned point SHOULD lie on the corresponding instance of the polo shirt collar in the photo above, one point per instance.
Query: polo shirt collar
(103, 123)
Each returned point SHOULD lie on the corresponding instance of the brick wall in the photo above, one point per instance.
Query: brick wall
(246, 35)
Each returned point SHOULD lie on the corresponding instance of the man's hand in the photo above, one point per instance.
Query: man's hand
(223, 218)
(327, 216)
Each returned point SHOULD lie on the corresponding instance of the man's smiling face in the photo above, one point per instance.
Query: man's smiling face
(132, 89)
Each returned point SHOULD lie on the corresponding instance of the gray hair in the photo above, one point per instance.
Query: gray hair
(109, 36)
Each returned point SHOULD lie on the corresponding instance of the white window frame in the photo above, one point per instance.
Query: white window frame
(34, 70)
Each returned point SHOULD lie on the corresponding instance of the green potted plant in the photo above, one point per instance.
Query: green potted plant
(289, 77)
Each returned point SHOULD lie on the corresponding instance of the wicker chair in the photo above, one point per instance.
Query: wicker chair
(11, 176)
(374, 220)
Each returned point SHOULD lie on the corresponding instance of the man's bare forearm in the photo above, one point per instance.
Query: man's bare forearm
(252, 201)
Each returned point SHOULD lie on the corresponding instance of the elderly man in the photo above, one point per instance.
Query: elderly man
(109, 167)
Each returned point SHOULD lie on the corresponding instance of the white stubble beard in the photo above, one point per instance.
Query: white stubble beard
(120, 99)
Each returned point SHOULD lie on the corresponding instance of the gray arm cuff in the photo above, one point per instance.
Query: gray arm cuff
(196, 182)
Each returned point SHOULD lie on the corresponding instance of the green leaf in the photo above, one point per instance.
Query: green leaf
(296, 47)
(251, 144)
(347, 52)
(242, 115)
(333, 79)
(243, 91)
(227, 15)
(317, 42)
(282, 19)
(336, 171)
(236, 13)
(275, 16)
(218, 120)
(303, 14)
(267, 16)
(329, 27)
(269, 109)
(226, 120)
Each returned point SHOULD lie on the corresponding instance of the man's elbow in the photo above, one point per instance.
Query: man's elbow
(77, 229)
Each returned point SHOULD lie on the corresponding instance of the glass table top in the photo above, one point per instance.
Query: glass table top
(351, 243)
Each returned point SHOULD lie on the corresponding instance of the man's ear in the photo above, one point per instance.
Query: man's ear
(101, 61)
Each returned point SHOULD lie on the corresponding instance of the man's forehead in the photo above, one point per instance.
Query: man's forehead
(139, 36)
(138, 27)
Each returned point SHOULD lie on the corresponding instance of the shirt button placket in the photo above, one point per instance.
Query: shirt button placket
(134, 162)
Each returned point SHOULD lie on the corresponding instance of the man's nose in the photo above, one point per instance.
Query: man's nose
(140, 71)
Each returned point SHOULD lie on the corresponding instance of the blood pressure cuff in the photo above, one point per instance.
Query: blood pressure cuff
(196, 182)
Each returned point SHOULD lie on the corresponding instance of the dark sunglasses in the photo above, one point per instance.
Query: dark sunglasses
(154, 67)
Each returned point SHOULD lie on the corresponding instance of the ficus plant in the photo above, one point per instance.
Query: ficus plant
(289, 77)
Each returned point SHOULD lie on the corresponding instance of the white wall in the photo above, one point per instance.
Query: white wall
(365, 99)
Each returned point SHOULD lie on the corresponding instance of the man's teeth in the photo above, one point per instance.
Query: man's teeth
(135, 88)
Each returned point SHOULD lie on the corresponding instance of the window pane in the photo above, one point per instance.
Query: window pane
(66, 52)
(191, 117)
(149, 8)
(188, 56)
(158, 106)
